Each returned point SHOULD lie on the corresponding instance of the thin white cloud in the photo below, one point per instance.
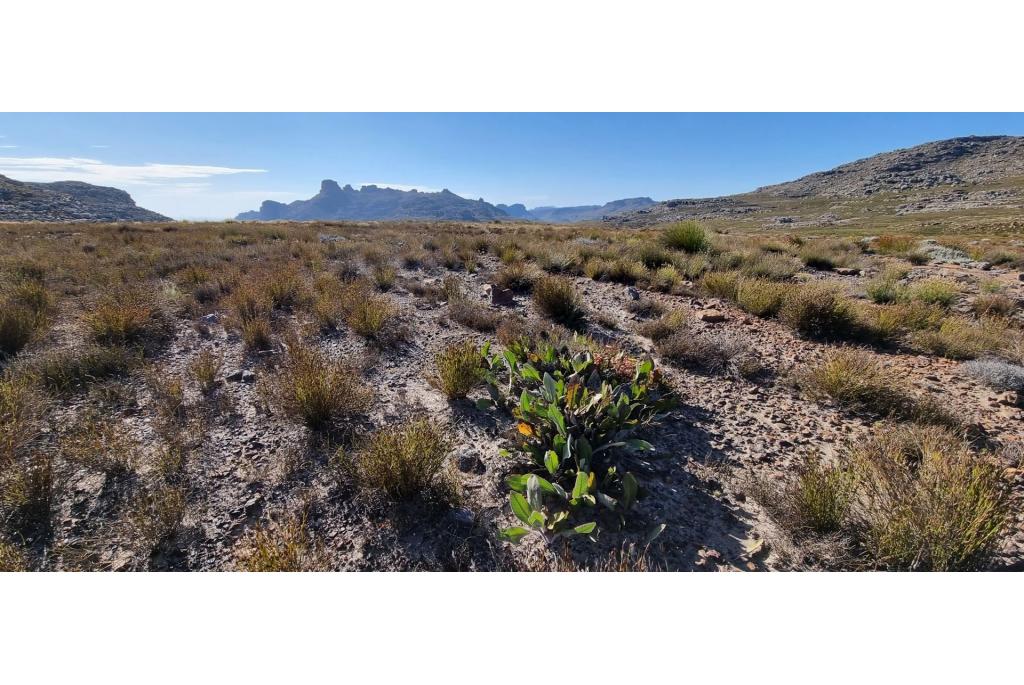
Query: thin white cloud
(46, 169)
(99, 147)
(7, 147)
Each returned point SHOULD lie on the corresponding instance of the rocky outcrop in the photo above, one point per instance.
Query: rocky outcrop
(68, 201)
(373, 203)
(944, 163)
(569, 215)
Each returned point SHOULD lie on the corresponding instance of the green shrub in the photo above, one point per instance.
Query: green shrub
(475, 315)
(459, 369)
(772, 266)
(517, 276)
(574, 412)
(405, 460)
(687, 236)
(205, 368)
(993, 304)
(721, 284)
(934, 291)
(557, 299)
(886, 287)
(257, 334)
(820, 498)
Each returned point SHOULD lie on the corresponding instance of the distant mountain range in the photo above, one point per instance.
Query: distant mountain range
(68, 201)
(373, 203)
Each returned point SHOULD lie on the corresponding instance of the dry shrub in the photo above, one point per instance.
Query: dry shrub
(960, 337)
(384, 276)
(12, 558)
(926, 502)
(405, 460)
(20, 412)
(772, 266)
(130, 318)
(100, 445)
(721, 284)
(645, 307)
(517, 276)
(557, 299)
(157, 513)
(712, 352)
(371, 315)
(760, 297)
(667, 324)
(475, 315)
(996, 374)
(993, 304)
(886, 287)
(257, 334)
(819, 311)
(319, 391)
(18, 327)
(284, 287)
(818, 501)
(459, 369)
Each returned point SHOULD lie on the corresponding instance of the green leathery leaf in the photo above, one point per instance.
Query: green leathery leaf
(551, 461)
(520, 507)
(514, 534)
(533, 493)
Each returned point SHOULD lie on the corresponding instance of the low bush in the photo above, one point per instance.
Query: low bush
(281, 547)
(854, 380)
(205, 369)
(257, 334)
(575, 413)
(817, 501)
(712, 352)
(20, 413)
(405, 460)
(156, 514)
(934, 291)
(384, 276)
(687, 236)
(518, 276)
(68, 370)
(458, 369)
(475, 315)
(370, 315)
(996, 374)
(667, 324)
(557, 299)
(993, 304)
(18, 327)
(772, 266)
(886, 287)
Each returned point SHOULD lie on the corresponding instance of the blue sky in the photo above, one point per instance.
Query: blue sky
(216, 165)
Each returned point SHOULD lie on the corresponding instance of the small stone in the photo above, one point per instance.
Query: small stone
(1008, 398)
(248, 377)
(846, 271)
(711, 316)
(501, 297)
(235, 376)
(633, 293)
(470, 463)
(461, 517)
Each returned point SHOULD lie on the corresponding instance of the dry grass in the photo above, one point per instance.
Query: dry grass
(557, 299)
(928, 502)
(666, 325)
(281, 547)
(319, 391)
(21, 410)
(156, 514)
(69, 370)
(475, 315)
(458, 369)
(205, 370)
(405, 460)
(99, 444)
(760, 297)
(12, 558)
(854, 380)
(961, 337)
(131, 318)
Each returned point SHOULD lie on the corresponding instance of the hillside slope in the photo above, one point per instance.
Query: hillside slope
(970, 181)
(68, 201)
